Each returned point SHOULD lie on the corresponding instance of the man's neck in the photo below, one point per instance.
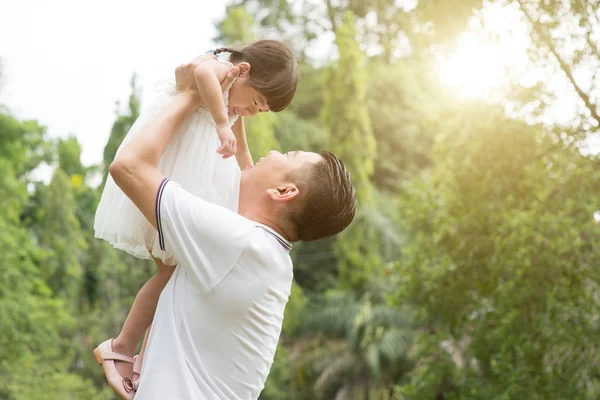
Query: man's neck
(255, 205)
(255, 215)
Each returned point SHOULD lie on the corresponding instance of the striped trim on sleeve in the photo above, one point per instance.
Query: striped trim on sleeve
(161, 237)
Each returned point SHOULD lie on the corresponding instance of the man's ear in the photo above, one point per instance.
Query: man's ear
(244, 68)
(285, 192)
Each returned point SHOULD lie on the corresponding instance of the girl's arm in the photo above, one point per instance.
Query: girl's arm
(208, 76)
(243, 156)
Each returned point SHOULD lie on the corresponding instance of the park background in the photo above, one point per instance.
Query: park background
(470, 130)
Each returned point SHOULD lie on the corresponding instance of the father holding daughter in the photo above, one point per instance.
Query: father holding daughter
(218, 320)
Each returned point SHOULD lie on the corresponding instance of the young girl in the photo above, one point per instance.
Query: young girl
(199, 159)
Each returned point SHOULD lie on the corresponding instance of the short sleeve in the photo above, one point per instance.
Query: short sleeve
(206, 238)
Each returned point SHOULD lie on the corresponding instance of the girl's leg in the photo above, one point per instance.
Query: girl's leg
(140, 316)
(140, 358)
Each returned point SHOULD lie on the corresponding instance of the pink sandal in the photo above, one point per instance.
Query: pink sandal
(105, 356)
(137, 371)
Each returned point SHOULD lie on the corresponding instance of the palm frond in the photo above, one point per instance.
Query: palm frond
(333, 321)
(386, 316)
(373, 358)
(335, 372)
(395, 344)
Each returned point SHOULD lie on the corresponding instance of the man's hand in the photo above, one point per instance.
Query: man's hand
(186, 83)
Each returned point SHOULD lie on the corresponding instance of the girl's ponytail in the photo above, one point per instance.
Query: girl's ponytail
(233, 52)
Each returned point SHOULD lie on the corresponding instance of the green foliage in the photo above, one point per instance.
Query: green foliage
(61, 290)
(308, 100)
(277, 386)
(467, 274)
(351, 139)
(405, 105)
(346, 118)
(315, 265)
(499, 259)
(237, 27)
(448, 18)
(556, 25)
(367, 344)
(294, 310)
(260, 131)
(69, 157)
(34, 323)
(23, 143)
(121, 126)
(293, 133)
(59, 233)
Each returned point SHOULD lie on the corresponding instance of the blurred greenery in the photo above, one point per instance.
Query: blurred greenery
(469, 272)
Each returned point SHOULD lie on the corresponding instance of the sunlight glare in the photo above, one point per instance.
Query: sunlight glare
(474, 70)
(484, 57)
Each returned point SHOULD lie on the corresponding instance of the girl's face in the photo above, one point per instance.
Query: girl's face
(244, 100)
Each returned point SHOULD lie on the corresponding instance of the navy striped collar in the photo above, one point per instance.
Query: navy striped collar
(283, 241)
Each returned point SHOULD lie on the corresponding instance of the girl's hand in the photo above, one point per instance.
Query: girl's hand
(227, 138)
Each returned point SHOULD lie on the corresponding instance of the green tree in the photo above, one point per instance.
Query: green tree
(308, 100)
(404, 104)
(563, 36)
(35, 324)
(23, 143)
(498, 260)
(69, 157)
(344, 113)
(260, 131)
(381, 25)
(351, 139)
(238, 27)
(121, 126)
(564, 43)
(60, 234)
(447, 19)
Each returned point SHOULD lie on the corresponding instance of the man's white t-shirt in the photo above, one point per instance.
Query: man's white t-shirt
(219, 318)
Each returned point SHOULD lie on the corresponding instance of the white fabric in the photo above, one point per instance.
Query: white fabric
(219, 318)
(190, 159)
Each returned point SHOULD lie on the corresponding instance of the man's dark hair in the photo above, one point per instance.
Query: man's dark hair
(328, 203)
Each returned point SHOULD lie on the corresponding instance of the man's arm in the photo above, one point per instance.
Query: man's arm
(135, 169)
(243, 156)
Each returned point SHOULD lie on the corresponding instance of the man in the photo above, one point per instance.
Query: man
(219, 318)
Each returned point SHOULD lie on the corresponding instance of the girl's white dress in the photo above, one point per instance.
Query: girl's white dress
(191, 159)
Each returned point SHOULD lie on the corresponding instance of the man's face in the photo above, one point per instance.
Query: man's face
(272, 170)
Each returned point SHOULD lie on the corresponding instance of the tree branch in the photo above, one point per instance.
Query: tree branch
(331, 15)
(592, 20)
(562, 63)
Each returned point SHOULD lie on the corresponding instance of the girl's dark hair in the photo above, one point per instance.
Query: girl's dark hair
(273, 70)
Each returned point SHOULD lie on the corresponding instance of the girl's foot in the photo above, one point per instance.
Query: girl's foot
(106, 357)
(121, 346)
